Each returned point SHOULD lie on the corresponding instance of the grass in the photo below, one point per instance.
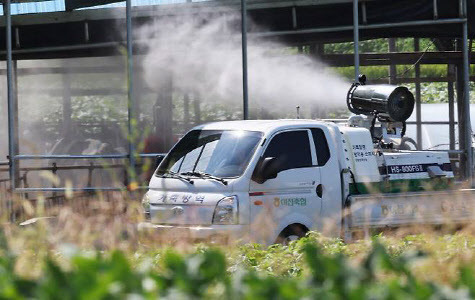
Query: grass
(92, 250)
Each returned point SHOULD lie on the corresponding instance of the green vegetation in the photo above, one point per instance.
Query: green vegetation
(426, 266)
(379, 46)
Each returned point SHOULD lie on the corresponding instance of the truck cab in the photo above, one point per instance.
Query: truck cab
(272, 181)
(260, 181)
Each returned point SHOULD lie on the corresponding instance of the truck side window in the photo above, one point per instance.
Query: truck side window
(291, 148)
(321, 146)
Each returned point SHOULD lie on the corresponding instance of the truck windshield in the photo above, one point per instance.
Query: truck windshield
(221, 153)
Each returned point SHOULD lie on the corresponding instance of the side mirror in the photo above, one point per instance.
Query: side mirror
(267, 168)
(158, 160)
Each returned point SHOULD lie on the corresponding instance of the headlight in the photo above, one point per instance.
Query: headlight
(226, 211)
(146, 205)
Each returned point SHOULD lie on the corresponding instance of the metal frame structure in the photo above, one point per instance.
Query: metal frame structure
(14, 157)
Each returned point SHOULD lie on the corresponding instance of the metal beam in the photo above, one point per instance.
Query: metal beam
(67, 108)
(392, 66)
(197, 108)
(400, 58)
(186, 112)
(31, 71)
(66, 48)
(12, 138)
(78, 92)
(85, 189)
(245, 92)
(442, 57)
(75, 4)
(15, 128)
(336, 60)
(22, 1)
(294, 17)
(361, 27)
(67, 156)
(70, 167)
(12, 109)
(417, 72)
(466, 103)
(130, 92)
(356, 39)
(163, 112)
(461, 114)
(430, 122)
(451, 96)
(421, 80)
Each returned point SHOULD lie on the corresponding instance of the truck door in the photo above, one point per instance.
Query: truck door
(330, 184)
(291, 197)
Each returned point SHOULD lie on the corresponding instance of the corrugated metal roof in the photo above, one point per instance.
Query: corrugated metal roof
(58, 5)
(143, 3)
(36, 7)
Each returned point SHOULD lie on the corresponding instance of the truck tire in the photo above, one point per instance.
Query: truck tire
(407, 144)
(290, 233)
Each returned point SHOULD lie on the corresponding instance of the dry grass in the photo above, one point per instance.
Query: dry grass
(107, 221)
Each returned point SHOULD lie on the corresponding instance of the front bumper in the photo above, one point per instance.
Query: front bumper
(213, 233)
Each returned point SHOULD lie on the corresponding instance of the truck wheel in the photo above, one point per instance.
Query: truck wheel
(291, 233)
(407, 144)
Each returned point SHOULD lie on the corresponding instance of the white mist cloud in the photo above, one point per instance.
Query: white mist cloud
(207, 59)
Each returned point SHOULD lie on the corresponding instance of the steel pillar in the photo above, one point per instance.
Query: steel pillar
(417, 71)
(356, 39)
(163, 113)
(451, 95)
(16, 168)
(12, 110)
(186, 112)
(67, 109)
(139, 92)
(392, 67)
(197, 108)
(130, 92)
(245, 92)
(466, 101)
(461, 117)
(12, 113)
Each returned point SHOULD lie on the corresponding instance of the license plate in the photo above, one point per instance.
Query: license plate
(162, 215)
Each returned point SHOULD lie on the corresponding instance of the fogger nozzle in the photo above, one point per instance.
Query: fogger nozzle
(389, 102)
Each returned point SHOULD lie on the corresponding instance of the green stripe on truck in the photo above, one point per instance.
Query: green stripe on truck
(401, 185)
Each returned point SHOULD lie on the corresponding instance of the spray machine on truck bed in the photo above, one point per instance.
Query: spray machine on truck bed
(273, 180)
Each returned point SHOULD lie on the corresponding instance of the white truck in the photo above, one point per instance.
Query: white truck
(273, 180)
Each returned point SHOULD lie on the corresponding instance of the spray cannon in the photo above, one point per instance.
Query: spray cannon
(391, 105)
